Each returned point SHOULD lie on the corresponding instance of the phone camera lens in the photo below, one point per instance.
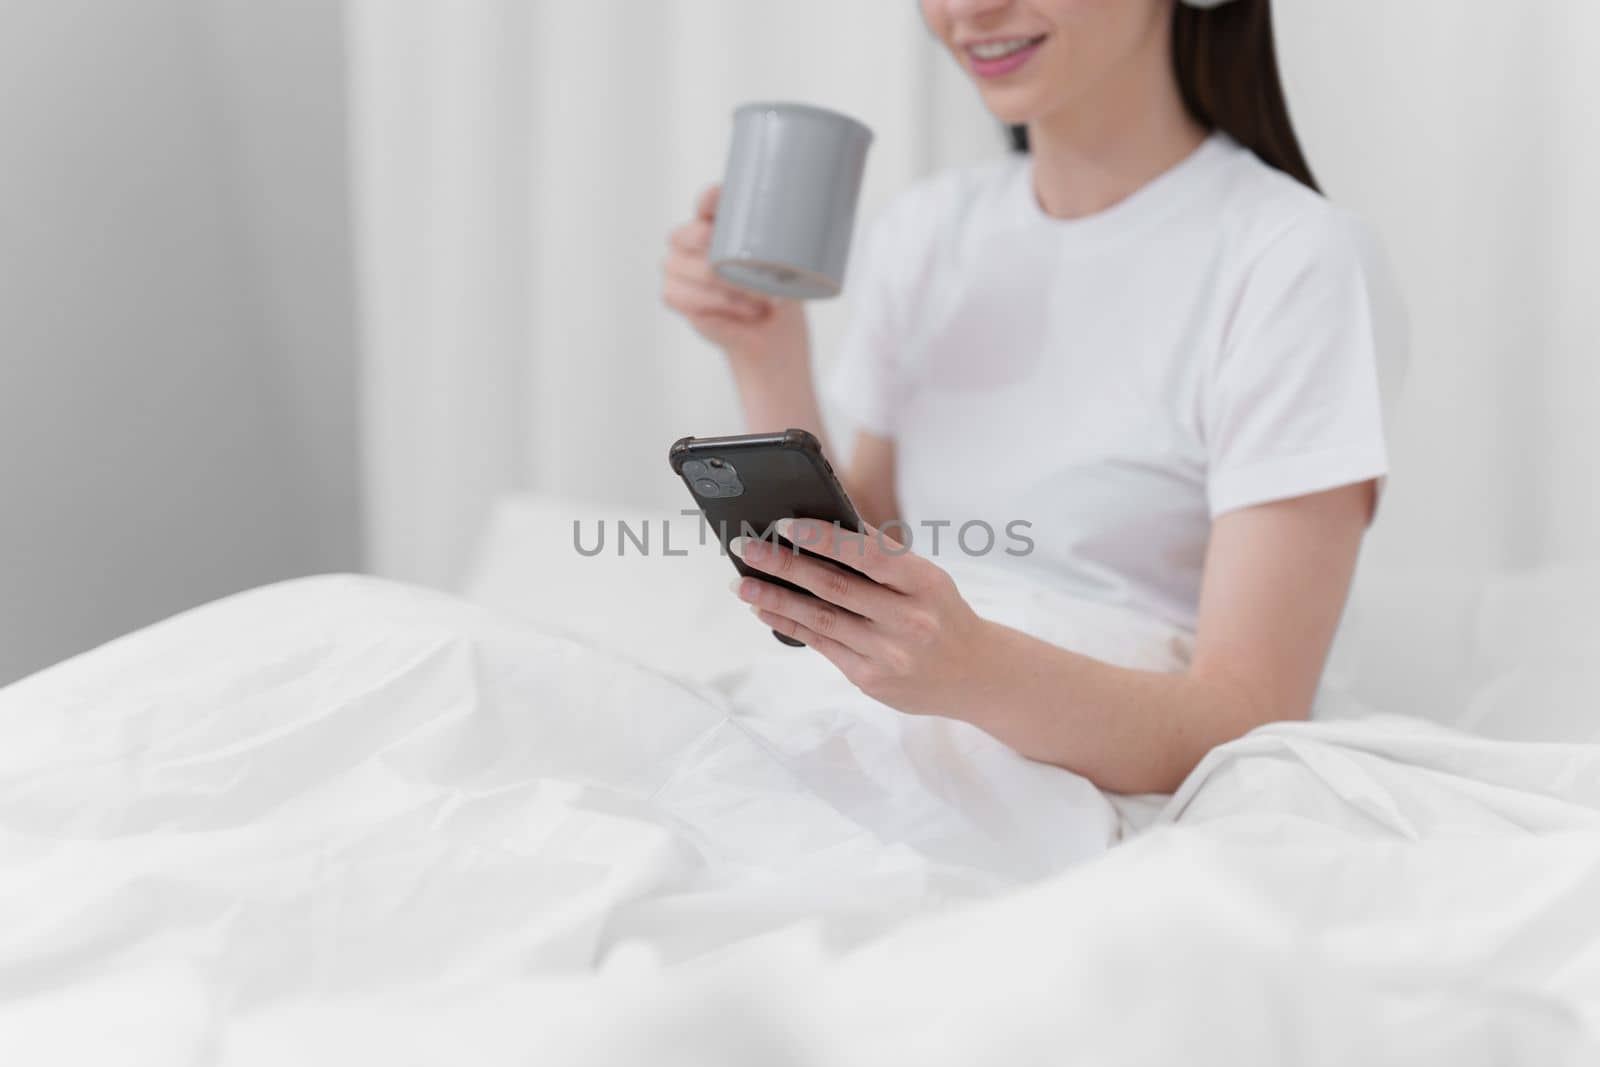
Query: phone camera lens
(694, 468)
(707, 487)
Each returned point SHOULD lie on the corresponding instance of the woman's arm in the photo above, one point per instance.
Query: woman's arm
(1276, 579)
(777, 391)
(870, 479)
(768, 346)
(767, 341)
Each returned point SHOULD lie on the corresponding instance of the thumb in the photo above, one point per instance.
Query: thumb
(706, 207)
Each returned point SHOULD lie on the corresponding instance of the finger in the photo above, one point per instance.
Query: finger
(692, 299)
(818, 616)
(872, 552)
(831, 583)
(706, 206)
(698, 272)
(692, 237)
(847, 660)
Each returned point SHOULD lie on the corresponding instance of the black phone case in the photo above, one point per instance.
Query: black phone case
(784, 475)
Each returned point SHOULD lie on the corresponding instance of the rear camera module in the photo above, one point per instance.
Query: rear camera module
(712, 478)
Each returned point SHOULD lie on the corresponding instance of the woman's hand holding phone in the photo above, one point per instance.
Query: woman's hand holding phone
(900, 631)
(748, 326)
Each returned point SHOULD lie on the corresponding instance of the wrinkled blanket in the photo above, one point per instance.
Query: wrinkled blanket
(341, 820)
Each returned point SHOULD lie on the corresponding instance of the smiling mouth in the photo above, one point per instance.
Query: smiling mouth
(1000, 56)
(989, 51)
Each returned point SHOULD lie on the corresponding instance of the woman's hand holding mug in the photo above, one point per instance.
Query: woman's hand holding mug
(792, 182)
(746, 325)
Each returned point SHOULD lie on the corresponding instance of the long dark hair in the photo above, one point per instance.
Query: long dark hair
(1227, 68)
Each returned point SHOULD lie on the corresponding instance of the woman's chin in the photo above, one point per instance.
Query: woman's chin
(1011, 107)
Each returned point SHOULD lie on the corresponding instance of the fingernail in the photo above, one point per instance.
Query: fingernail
(736, 586)
(737, 545)
(783, 526)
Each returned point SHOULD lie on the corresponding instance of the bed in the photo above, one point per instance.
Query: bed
(589, 812)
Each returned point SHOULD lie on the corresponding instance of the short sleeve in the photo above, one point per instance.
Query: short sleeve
(1293, 404)
(864, 383)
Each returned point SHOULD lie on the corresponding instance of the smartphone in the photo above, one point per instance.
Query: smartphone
(745, 484)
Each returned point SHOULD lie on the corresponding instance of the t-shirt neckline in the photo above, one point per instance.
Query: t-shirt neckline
(1155, 199)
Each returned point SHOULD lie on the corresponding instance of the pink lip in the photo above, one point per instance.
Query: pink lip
(999, 68)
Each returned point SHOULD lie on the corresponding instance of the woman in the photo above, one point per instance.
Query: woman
(1146, 333)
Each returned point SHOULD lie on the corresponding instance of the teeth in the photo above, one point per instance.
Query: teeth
(1001, 49)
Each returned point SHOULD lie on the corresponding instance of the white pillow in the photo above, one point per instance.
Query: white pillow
(1508, 656)
(1512, 656)
(673, 613)
(1539, 636)
(676, 614)
(1407, 642)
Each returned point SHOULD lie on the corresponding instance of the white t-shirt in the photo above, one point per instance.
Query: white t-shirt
(1116, 381)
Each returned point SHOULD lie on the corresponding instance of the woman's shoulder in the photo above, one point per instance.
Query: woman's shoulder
(1264, 210)
(1275, 222)
(1285, 235)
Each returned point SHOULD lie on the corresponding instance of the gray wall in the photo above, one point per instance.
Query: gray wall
(177, 412)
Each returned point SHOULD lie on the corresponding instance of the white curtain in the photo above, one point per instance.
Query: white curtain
(517, 166)
(1465, 130)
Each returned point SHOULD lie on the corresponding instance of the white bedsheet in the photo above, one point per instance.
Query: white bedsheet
(345, 821)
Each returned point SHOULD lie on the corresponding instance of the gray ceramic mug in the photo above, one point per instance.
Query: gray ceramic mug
(788, 204)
